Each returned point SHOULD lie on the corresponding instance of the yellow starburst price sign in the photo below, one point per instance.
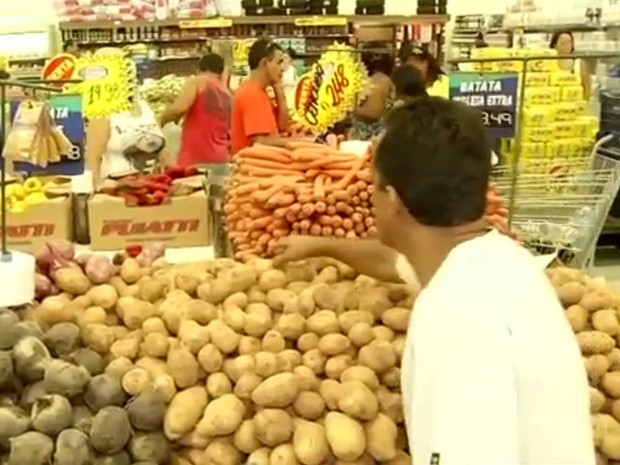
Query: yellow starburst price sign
(108, 83)
(329, 91)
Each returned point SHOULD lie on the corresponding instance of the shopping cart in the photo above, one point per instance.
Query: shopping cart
(560, 205)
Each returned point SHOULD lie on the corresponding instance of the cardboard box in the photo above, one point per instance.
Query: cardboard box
(183, 222)
(28, 231)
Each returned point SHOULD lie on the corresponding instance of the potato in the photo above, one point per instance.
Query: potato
(577, 317)
(234, 317)
(221, 417)
(596, 367)
(221, 451)
(291, 326)
(164, 384)
(245, 437)
(130, 271)
(309, 405)
(249, 345)
(182, 366)
(127, 348)
(331, 391)
(597, 401)
(223, 337)
(381, 438)
(361, 334)
(98, 337)
(184, 411)
(246, 384)
(102, 391)
(390, 403)
(147, 410)
(362, 374)
(277, 391)
(62, 338)
(13, 422)
(335, 366)
(193, 336)
(310, 443)
(119, 366)
(570, 293)
(323, 322)
(345, 436)
(282, 300)
(614, 359)
(315, 360)
(359, 401)
(104, 296)
(351, 318)
(218, 385)
(595, 342)
(265, 364)
(51, 414)
(610, 384)
(272, 279)
(210, 358)
(334, 344)
(273, 341)
(72, 447)
(151, 447)
(156, 344)
(378, 355)
(284, 454)
(110, 430)
(65, 379)
(606, 321)
(396, 318)
(30, 448)
(136, 381)
(272, 427)
(258, 320)
(597, 300)
(308, 341)
(288, 359)
(306, 378)
(72, 281)
(391, 378)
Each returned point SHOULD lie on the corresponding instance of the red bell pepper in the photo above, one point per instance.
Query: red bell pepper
(175, 171)
(133, 251)
(190, 171)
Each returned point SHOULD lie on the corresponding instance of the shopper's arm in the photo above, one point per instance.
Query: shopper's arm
(586, 78)
(373, 107)
(367, 256)
(97, 137)
(177, 110)
(282, 115)
(469, 395)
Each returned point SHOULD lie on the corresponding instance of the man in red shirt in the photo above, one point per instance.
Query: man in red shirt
(205, 103)
(256, 117)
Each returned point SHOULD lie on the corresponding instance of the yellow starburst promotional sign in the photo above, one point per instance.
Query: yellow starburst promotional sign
(108, 81)
(329, 91)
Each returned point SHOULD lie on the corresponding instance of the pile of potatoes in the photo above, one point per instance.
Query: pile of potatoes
(593, 310)
(228, 363)
(57, 405)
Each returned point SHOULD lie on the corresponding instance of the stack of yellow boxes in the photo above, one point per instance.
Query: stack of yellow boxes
(556, 128)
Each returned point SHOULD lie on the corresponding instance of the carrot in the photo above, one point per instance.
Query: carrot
(246, 188)
(337, 174)
(320, 207)
(260, 223)
(364, 175)
(280, 233)
(304, 225)
(372, 231)
(315, 229)
(272, 148)
(258, 213)
(284, 200)
(370, 221)
(359, 228)
(339, 232)
(257, 171)
(327, 231)
(304, 198)
(336, 221)
(363, 195)
(265, 163)
(357, 218)
(296, 207)
(351, 235)
(319, 188)
(331, 210)
(347, 224)
(299, 144)
(355, 200)
(280, 212)
(311, 173)
(307, 209)
(267, 153)
(291, 217)
(263, 196)
(325, 220)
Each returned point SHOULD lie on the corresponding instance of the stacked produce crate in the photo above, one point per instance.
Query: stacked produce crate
(555, 124)
(432, 7)
(370, 7)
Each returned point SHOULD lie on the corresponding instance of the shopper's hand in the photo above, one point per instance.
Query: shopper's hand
(293, 249)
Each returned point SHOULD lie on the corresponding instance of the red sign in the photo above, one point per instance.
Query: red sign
(128, 227)
(30, 230)
(60, 68)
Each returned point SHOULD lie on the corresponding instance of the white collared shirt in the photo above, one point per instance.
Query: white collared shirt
(492, 373)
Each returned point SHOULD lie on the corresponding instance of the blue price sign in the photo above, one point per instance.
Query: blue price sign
(495, 95)
(66, 111)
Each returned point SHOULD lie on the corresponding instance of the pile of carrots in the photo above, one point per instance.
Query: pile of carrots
(497, 212)
(306, 189)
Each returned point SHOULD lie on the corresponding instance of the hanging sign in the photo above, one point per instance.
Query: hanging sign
(312, 21)
(329, 91)
(108, 82)
(66, 112)
(59, 68)
(211, 23)
(495, 95)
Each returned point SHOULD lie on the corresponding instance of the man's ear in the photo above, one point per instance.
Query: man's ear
(395, 204)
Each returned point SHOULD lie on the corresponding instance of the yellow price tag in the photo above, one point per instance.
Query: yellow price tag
(213, 23)
(4, 63)
(108, 83)
(321, 21)
(328, 92)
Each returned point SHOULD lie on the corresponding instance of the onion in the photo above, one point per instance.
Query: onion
(99, 269)
(43, 286)
(150, 253)
(53, 255)
(83, 259)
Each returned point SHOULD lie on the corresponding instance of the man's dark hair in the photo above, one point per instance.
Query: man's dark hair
(261, 48)
(408, 82)
(553, 43)
(212, 63)
(435, 154)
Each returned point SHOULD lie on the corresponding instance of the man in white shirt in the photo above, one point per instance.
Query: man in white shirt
(491, 374)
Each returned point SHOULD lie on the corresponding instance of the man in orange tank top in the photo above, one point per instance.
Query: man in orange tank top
(205, 104)
(257, 117)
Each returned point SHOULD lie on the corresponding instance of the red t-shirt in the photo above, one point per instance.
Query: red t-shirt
(206, 129)
(253, 114)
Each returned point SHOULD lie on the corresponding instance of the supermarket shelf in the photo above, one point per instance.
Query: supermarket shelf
(261, 20)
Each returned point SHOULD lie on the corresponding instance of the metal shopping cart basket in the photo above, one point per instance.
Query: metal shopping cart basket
(560, 205)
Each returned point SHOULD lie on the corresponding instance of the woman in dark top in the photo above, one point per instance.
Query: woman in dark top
(409, 84)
